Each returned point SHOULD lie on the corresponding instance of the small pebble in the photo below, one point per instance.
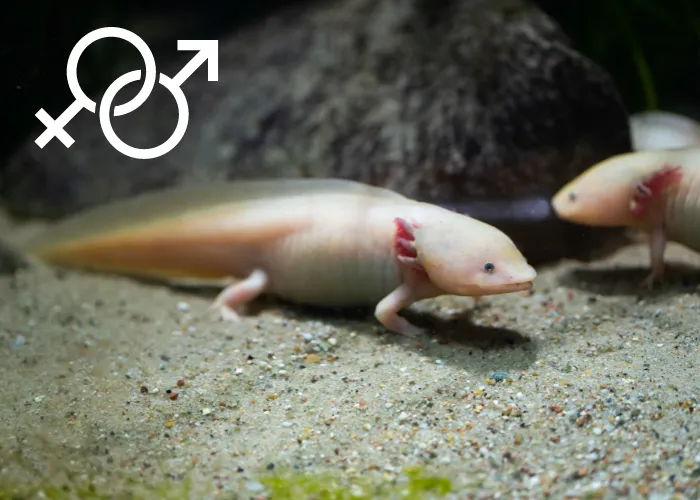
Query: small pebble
(499, 375)
(254, 486)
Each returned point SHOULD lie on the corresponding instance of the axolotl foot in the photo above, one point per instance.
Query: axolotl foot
(388, 308)
(229, 315)
(404, 327)
(238, 294)
(655, 276)
(649, 281)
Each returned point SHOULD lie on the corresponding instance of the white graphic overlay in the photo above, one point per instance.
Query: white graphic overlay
(207, 52)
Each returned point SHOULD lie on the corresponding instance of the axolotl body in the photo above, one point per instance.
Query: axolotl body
(655, 191)
(323, 242)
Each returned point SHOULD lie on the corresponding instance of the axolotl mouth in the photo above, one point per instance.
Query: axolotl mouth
(519, 281)
(516, 287)
(505, 288)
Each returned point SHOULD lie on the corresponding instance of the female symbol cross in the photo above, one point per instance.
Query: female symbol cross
(207, 52)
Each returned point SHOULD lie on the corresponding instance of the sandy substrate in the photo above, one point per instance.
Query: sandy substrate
(598, 398)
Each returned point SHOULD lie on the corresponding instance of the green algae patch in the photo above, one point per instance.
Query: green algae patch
(131, 490)
(412, 484)
(170, 491)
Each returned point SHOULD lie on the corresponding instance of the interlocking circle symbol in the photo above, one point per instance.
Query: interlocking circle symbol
(183, 115)
(127, 36)
(207, 52)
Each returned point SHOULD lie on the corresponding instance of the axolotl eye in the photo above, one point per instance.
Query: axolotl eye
(489, 267)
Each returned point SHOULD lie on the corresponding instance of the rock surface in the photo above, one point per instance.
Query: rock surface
(10, 261)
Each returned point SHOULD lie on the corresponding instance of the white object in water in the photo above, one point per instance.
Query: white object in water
(663, 130)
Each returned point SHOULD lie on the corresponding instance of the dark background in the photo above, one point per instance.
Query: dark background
(652, 49)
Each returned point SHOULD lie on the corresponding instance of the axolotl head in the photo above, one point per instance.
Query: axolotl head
(604, 194)
(464, 256)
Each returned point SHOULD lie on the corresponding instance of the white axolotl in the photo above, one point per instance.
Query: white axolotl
(656, 192)
(322, 242)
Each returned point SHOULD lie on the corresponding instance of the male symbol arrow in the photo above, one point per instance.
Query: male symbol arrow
(208, 51)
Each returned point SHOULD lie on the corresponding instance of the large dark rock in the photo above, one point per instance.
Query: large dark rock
(447, 101)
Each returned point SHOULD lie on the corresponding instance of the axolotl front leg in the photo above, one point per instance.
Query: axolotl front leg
(415, 286)
(649, 204)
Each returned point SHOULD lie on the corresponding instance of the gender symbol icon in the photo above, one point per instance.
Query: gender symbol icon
(208, 51)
